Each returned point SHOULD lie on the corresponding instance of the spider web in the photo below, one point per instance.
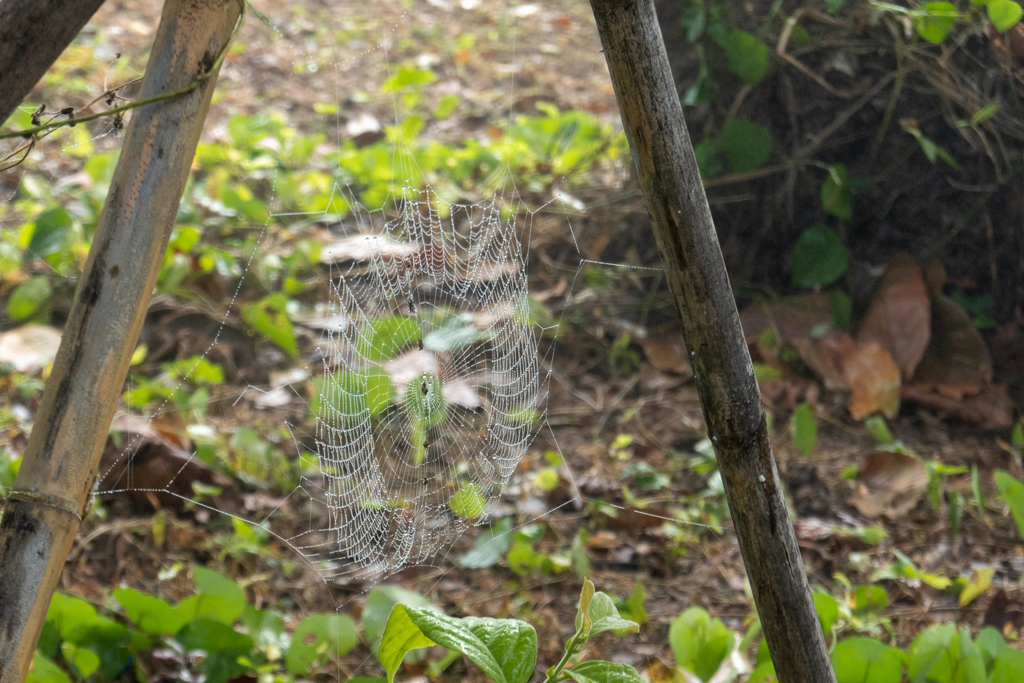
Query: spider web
(432, 372)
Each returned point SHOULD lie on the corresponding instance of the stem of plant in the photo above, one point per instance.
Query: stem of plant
(555, 672)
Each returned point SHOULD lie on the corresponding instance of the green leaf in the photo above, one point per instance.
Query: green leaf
(866, 659)
(940, 651)
(467, 502)
(49, 235)
(383, 339)
(604, 616)
(28, 297)
(446, 105)
(805, 428)
(212, 636)
(879, 430)
(318, 637)
(834, 5)
(938, 20)
(153, 615)
(379, 604)
(747, 145)
(693, 19)
(991, 644)
(269, 318)
(490, 546)
(828, 610)
(505, 649)
(546, 479)
(819, 257)
(1009, 667)
(597, 671)
(708, 158)
(979, 498)
(1004, 14)
(45, 671)
(747, 56)
(835, 192)
(407, 75)
(1012, 492)
(699, 642)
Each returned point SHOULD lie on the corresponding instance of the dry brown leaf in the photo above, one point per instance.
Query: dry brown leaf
(30, 347)
(363, 248)
(988, 409)
(957, 362)
(791, 318)
(667, 352)
(826, 355)
(899, 318)
(889, 484)
(874, 380)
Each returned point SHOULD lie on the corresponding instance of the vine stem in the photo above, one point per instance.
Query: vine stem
(31, 133)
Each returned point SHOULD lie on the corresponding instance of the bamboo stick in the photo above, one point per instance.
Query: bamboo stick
(729, 395)
(33, 33)
(47, 502)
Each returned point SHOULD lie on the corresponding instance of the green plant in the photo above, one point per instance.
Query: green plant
(213, 633)
(506, 649)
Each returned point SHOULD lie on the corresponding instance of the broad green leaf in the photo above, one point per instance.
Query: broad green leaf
(270, 319)
(1012, 492)
(467, 502)
(747, 56)
(828, 610)
(383, 339)
(49, 235)
(153, 615)
(45, 671)
(1008, 667)
(978, 584)
(407, 75)
(597, 671)
(819, 257)
(28, 298)
(424, 401)
(490, 546)
(764, 673)
(699, 642)
(1004, 14)
(546, 479)
(747, 146)
(805, 428)
(505, 649)
(584, 623)
(940, 651)
(84, 660)
(991, 644)
(937, 21)
(379, 604)
(835, 192)
(866, 659)
(218, 598)
(212, 636)
(318, 637)
(446, 105)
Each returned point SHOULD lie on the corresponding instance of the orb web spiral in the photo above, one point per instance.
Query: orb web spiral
(430, 381)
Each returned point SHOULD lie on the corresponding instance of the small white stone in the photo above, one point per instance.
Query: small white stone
(761, 478)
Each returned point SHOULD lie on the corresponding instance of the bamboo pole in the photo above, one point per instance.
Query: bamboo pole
(47, 502)
(33, 33)
(729, 395)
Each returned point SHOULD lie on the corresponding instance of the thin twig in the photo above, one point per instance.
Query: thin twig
(32, 133)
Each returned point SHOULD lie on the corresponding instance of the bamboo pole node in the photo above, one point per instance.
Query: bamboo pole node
(47, 499)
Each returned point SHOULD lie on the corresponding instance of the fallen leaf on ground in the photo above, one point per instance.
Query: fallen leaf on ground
(826, 355)
(363, 248)
(889, 484)
(789, 319)
(30, 347)
(988, 409)
(874, 381)
(899, 317)
(957, 362)
(667, 352)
